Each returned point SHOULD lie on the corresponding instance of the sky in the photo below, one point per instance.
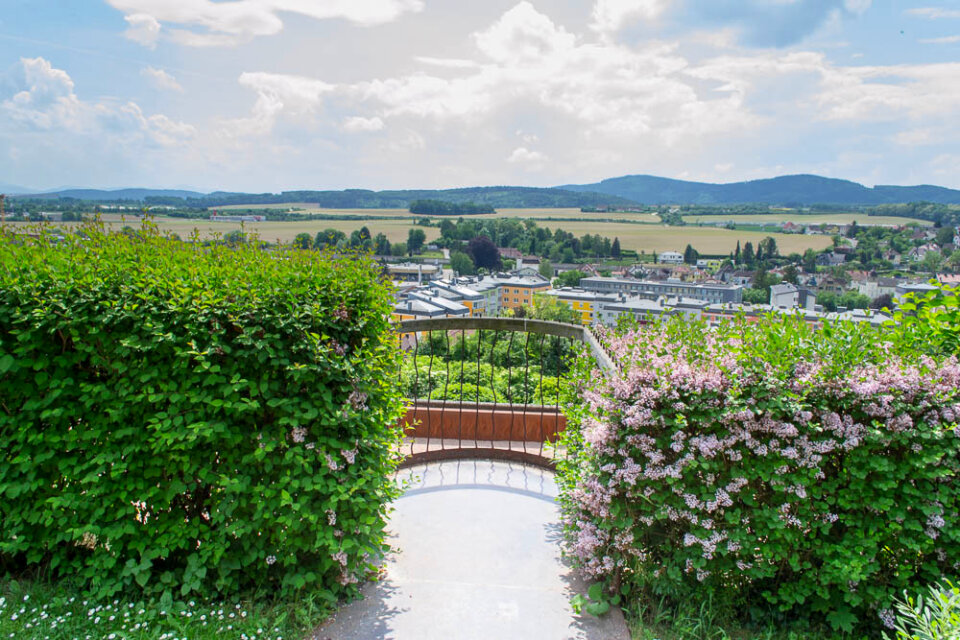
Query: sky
(271, 95)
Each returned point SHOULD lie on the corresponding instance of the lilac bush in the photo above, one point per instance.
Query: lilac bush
(766, 465)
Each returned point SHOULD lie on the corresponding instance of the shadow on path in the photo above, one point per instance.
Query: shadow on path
(478, 558)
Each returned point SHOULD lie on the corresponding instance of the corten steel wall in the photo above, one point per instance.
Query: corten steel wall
(483, 422)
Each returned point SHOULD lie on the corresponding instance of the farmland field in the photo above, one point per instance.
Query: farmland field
(576, 214)
(804, 219)
(395, 230)
(648, 237)
(534, 213)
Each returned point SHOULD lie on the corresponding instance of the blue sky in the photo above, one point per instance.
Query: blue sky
(265, 95)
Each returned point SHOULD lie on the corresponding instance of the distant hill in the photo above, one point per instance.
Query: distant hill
(799, 190)
(12, 189)
(99, 195)
(502, 197)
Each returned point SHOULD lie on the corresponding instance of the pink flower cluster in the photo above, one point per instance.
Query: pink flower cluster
(713, 455)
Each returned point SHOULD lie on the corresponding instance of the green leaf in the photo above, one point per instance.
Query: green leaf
(595, 592)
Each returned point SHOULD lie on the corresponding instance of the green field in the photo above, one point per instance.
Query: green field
(804, 219)
(647, 237)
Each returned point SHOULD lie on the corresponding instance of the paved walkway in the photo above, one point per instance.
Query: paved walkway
(478, 559)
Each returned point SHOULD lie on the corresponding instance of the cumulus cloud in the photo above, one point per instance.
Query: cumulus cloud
(650, 92)
(144, 29)
(357, 124)
(160, 79)
(524, 34)
(46, 100)
(208, 23)
(611, 15)
(533, 160)
(277, 94)
(653, 106)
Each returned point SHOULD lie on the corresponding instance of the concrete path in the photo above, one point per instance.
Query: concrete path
(478, 558)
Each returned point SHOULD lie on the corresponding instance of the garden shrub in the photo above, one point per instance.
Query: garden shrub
(178, 418)
(775, 468)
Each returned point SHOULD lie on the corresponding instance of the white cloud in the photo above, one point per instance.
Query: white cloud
(229, 23)
(524, 34)
(160, 79)
(47, 101)
(933, 13)
(357, 124)
(277, 94)
(611, 15)
(528, 138)
(857, 6)
(915, 137)
(144, 29)
(943, 40)
(654, 106)
(533, 160)
(448, 63)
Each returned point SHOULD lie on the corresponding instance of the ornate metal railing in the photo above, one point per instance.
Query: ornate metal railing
(488, 387)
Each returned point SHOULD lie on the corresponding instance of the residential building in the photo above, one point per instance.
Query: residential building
(473, 300)
(215, 217)
(874, 288)
(831, 259)
(716, 293)
(919, 289)
(790, 296)
(421, 308)
(919, 253)
(716, 313)
(874, 318)
(644, 310)
(670, 257)
(518, 291)
(414, 272)
(586, 304)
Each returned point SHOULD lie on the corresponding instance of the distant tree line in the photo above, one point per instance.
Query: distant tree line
(939, 214)
(444, 208)
(530, 239)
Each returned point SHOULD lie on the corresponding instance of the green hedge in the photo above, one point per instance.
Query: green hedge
(186, 419)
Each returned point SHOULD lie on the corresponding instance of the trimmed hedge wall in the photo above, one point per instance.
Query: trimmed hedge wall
(185, 419)
(779, 471)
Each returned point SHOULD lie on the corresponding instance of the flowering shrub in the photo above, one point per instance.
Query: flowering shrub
(811, 470)
(178, 418)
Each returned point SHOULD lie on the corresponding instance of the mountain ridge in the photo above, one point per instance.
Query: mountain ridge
(791, 190)
(796, 190)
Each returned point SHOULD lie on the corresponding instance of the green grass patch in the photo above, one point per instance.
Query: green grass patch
(657, 620)
(59, 611)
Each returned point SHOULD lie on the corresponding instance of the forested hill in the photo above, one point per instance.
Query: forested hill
(800, 190)
(499, 197)
(120, 195)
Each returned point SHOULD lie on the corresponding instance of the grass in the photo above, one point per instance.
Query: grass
(58, 612)
(657, 621)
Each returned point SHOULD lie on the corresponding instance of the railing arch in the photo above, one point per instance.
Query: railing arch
(457, 426)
